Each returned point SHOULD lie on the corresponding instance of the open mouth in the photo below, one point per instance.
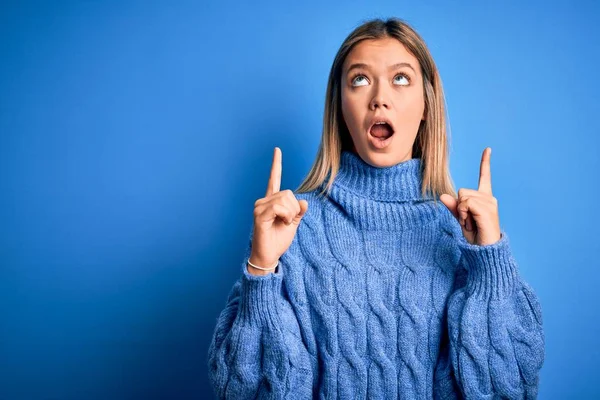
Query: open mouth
(380, 135)
(381, 131)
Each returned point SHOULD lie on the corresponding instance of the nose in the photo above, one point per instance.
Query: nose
(379, 99)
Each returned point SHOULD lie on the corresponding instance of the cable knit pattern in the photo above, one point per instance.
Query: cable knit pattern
(380, 296)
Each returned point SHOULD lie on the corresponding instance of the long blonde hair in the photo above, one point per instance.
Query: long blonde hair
(431, 142)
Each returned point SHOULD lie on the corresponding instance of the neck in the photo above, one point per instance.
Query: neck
(400, 182)
(380, 197)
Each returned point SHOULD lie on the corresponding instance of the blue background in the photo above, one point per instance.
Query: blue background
(136, 136)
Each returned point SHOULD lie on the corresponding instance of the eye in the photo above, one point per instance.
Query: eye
(355, 78)
(406, 79)
(403, 81)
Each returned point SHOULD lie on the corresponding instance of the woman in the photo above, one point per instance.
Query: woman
(360, 284)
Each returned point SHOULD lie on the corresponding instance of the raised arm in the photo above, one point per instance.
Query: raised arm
(257, 350)
(496, 337)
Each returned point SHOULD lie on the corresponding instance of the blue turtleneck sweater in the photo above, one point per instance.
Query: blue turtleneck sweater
(380, 296)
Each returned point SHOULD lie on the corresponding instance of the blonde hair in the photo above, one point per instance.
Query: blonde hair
(431, 142)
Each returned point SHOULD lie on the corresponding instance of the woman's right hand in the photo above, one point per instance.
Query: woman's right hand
(276, 220)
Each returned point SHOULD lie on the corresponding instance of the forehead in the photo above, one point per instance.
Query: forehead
(379, 53)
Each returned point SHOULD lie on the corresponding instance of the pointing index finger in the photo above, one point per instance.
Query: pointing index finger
(275, 178)
(485, 174)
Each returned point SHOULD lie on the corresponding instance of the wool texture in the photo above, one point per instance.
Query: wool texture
(380, 296)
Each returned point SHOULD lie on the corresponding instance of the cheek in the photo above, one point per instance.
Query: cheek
(349, 110)
(413, 106)
(344, 102)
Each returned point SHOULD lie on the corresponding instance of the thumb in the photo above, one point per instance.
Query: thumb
(451, 203)
(303, 209)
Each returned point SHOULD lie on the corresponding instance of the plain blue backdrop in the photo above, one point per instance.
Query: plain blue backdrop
(136, 136)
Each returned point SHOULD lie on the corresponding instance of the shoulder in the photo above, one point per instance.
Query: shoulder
(448, 230)
(446, 220)
(316, 203)
(310, 235)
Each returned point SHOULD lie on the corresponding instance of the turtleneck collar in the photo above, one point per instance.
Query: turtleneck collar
(398, 183)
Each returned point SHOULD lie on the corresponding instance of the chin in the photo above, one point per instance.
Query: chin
(385, 159)
(377, 159)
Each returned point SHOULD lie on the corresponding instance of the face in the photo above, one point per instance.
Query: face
(381, 80)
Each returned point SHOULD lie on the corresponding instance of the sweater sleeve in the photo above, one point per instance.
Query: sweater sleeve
(496, 339)
(257, 349)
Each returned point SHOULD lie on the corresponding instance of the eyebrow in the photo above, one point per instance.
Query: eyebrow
(366, 66)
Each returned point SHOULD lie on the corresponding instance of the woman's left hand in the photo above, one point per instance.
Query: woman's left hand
(477, 210)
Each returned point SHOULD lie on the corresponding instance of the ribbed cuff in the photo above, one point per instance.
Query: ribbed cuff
(492, 270)
(259, 298)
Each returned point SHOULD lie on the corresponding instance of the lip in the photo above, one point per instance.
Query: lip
(375, 142)
(378, 143)
(380, 118)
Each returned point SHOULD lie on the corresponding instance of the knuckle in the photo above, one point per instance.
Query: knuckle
(281, 201)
